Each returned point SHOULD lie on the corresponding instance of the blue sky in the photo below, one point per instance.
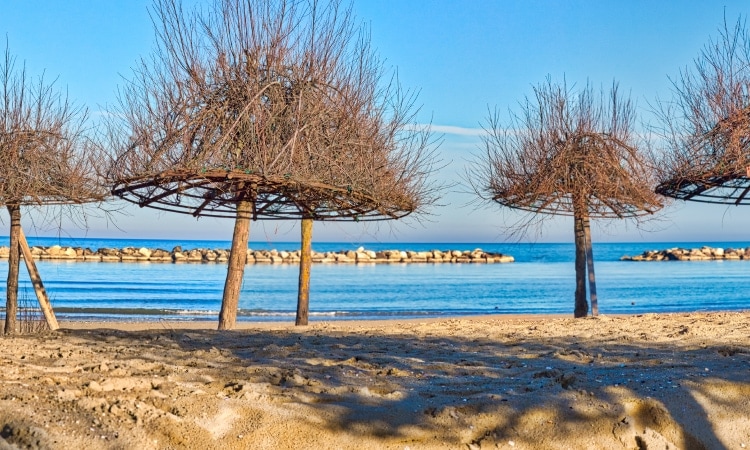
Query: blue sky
(464, 57)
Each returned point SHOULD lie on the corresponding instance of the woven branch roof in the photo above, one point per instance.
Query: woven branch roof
(281, 106)
(600, 172)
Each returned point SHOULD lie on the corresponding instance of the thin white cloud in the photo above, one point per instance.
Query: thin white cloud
(451, 129)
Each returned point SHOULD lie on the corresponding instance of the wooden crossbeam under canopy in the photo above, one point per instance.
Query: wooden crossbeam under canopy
(216, 193)
(562, 205)
(718, 189)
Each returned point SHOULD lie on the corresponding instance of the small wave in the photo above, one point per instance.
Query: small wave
(185, 312)
(113, 311)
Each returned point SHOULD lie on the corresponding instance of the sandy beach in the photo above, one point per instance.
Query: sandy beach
(532, 382)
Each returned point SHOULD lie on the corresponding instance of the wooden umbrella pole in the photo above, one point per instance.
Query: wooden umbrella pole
(590, 266)
(11, 304)
(581, 303)
(36, 281)
(303, 293)
(236, 266)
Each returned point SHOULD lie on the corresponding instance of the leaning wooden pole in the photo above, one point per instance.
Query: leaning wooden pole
(305, 263)
(11, 302)
(36, 281)
(236, 266)
(590, 266)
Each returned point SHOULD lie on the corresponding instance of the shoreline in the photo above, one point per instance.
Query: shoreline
(134, 325)
(209, 325)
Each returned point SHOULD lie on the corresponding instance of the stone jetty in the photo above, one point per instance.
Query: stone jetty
(691, 254)
(203, 255)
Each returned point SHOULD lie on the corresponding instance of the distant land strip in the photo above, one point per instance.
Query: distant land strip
(691, 254)
(203, 255)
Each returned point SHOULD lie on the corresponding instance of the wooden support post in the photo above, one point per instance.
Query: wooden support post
(581, 303)
(305, 260)
(236, 266)
(36, 281)
(590, 266)
(11, 302)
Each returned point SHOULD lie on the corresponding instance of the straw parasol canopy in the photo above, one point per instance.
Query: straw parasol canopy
(566, 155)
(606, 172)
(705, 127)
(713, 167)
(279, 104)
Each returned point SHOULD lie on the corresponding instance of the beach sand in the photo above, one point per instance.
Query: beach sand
(535, 382)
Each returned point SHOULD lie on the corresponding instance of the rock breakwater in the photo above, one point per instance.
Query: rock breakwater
(704, 253)
(204, 255)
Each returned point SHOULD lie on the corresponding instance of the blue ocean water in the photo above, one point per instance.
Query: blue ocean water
(540, 281)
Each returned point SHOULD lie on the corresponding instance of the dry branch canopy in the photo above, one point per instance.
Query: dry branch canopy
(565, 151)
(278, 103)
(706, 127)
(44, 156)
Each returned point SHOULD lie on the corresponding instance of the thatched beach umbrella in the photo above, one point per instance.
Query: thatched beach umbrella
(262, 110)
(44, 160)
(571, 154)
(706, 127)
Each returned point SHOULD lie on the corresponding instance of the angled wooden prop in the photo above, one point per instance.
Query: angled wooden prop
(36, 281)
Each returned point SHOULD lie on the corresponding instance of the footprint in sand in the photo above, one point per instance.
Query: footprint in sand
(220, 424)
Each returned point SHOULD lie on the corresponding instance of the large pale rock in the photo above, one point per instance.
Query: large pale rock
(262, 257)
(222, 256)
(294, 257)
(394, 255)
(160, 255)
(344, 257)
(362, 257)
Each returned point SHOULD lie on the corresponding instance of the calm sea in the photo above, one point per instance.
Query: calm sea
(540, 281)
